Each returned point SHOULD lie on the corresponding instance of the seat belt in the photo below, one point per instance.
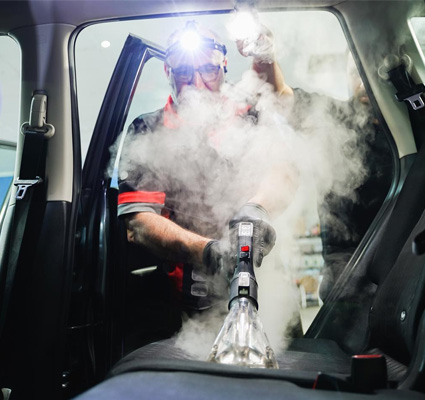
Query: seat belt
(412, 94)
(36, 132)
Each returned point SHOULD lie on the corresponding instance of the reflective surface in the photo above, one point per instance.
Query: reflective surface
(242, 340)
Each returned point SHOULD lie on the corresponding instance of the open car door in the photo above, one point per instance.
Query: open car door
(95, 325)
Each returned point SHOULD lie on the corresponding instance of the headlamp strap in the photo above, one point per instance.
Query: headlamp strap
(205, 43)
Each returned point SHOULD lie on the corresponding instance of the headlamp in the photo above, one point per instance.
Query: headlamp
(192, 42)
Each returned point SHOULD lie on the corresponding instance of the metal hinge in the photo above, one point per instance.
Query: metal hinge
(37, 121)
(35, 126)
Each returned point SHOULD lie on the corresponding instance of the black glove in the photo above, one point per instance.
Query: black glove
(217, 256)
(264, 235)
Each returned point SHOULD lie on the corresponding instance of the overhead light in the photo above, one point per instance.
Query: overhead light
(105, 44)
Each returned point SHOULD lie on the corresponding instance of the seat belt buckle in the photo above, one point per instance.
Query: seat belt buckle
(414, 98)
(24, 184)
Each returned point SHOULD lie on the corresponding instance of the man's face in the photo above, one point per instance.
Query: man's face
(203, 69)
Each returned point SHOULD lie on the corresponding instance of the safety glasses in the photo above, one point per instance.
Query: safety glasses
(185, 73)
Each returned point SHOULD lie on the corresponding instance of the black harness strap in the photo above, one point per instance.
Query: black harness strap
(31, 170)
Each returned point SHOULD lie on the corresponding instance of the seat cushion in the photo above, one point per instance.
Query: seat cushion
(300, 362)
(312, 355)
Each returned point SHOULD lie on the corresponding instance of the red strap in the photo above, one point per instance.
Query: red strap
(176, 276)
(141, 197)
(243, 110)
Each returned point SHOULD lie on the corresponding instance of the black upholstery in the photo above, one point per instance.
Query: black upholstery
(193, 381)
(399, 302)
(405, 215)
(308, 355)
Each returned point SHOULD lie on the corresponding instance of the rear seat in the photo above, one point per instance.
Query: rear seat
(384, 306)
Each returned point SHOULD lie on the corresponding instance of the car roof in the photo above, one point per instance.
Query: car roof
(20, 13)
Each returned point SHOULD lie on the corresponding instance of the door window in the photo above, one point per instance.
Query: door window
(331, 150)
(417, 25)
(9, 110)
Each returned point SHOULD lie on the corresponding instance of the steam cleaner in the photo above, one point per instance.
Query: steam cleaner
(242, 340)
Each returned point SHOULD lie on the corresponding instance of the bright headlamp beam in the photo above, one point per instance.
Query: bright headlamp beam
(190, 40)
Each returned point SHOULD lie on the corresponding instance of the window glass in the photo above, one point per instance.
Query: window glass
(98, 48)
(7, 161)
(418, 27)
(331, 148)
(9, 110)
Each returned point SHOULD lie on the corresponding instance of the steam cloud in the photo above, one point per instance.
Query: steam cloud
(322, 155)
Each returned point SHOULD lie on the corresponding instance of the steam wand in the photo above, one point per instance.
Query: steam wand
(242, 340)
(243, 283)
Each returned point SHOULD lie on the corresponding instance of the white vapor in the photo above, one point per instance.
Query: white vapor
(246, 151)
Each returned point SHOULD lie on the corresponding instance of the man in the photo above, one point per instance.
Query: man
(174, 218)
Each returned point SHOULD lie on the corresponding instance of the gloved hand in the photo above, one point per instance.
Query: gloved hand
(264, 235)
(217, 257)
(261, 47)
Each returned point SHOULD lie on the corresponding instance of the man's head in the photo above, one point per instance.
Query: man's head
(195, 57)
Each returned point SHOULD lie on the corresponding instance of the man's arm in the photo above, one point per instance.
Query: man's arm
(274, 76)
(165, 238)
(264, 60)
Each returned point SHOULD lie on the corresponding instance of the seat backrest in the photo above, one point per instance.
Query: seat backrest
(387, 280)
(400, 302)
(407, 210)
(399, 273)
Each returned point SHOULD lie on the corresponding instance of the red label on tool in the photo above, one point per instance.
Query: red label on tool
(244, 248)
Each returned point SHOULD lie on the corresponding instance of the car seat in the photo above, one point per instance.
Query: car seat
(380, 312)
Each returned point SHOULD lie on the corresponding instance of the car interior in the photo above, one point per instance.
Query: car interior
(86, 314)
